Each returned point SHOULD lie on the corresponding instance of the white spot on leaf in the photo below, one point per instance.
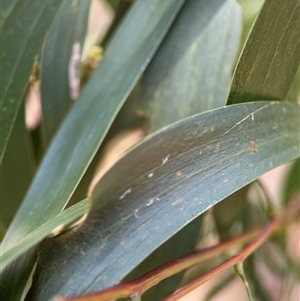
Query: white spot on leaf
(136, 213)
(165, 160)
(150, 202)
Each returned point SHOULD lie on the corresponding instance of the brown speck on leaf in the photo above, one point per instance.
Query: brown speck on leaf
(54, 263)
(122, 242)
(253, 147)
(178, 173)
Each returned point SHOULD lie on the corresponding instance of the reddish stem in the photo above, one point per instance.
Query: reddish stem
(139, 286)
(264, 234)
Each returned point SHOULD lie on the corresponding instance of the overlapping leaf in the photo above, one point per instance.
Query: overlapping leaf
(160, 186)
(196, 58)
(64, 218)
(22, 36)
(270, 58)
(87, 123)
(60, 63)
(13, 283)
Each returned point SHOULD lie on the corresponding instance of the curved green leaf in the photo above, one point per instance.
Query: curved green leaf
(160, 186)
(59, 221)
(15, 279)
(89, 119)
(60, 62)
(270, 58)
(196, 58)
(24, 25)
(13, 283)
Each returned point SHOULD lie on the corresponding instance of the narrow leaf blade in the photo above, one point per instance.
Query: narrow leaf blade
(16, 268)
(60, 63)
(196, 58)
(270, 58)
(24, 25)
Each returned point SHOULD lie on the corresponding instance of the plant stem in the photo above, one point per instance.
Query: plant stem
(265, 233)
(239, 269)
(137, 287)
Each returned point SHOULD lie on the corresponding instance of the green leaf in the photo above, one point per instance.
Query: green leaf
(294, 92)
(15, 279)
(160, 186)
(59, 221)
(292, 182)
(91, 116)
(15, 273)
(196, 58)
(17, 169)
(60, 62)
(270, 58)
(23, 26)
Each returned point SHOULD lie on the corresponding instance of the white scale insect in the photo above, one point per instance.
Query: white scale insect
(124, 194)
(74, 77)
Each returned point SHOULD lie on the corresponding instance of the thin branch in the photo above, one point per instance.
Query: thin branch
(137, 287)
(265, 233)
(239, 269)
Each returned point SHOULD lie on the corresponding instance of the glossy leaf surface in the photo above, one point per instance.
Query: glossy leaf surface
(160, 186)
